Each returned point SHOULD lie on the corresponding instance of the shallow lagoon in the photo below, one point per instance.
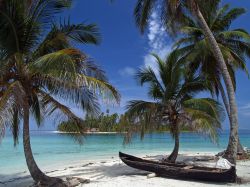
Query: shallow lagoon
(52, 148)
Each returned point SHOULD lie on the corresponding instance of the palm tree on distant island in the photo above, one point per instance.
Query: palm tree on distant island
(234, 44)
(173, 15)
(40, 67)
(172, 91)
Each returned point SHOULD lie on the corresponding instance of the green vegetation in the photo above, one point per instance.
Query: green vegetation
(174, 16)
(172, 90)
(111, 123)
(234, 45)
(102, 123)
(39, 69)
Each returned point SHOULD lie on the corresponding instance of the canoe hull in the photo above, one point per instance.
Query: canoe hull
(178, 171)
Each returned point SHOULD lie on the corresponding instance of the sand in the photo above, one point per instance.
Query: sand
(112, 172)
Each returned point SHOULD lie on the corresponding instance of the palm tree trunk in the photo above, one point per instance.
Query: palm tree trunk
(233, 139)
(173, 156)
(240, 148)
(225, 101)
(37, 175)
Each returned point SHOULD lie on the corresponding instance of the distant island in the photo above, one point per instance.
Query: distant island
(95, 124)
(111, 123)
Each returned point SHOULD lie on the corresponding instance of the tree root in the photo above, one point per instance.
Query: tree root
(240, 155)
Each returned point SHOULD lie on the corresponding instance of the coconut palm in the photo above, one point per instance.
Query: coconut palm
(234, 44)
(40, 68)
(173, 15)
(172, 92)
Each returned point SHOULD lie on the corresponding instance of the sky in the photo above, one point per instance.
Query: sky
(124, 49)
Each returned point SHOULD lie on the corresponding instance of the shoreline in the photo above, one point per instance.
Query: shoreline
(112, 172)
(61, 132)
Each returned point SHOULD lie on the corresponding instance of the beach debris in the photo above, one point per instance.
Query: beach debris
(223, 163)
(84, 165)
(54, 183)
(75, 181)
(151, 175)
(245, 149)
(188, 167)
(84, 181)
(220, 153)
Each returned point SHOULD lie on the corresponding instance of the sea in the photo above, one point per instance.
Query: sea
(52, 148)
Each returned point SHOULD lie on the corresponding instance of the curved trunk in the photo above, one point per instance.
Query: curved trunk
(35, 172)
(173, 156)
(224, 99)
(233, 139)
(240, 149)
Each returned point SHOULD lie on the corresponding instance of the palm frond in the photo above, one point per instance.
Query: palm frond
(138, 107)
(15, 125)
(68, 90)
(185, 41)
(81, 33)
(146, 75)
(142, 12)
(204, 119)
(155, 92)
(43, 11)
(52, 105)
(218, 15)
(193, 86)
(142, 116)
(62, 61)
(11, 99)
(235, 34)
(207, 105)
(191, 30)
(66, 34)
(102, 88)
(223, 23)
(37, 110)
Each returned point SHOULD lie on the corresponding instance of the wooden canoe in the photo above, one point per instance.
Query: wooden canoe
(180, 171)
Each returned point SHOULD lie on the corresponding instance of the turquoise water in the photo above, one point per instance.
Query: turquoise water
(52, 148)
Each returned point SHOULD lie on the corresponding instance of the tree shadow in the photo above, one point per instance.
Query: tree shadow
(96, 172)
(116, 170)
(23, 178)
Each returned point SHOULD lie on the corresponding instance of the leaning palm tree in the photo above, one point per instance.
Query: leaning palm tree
(234, 44)
(40, 68)
(172, 92)
(173, 15)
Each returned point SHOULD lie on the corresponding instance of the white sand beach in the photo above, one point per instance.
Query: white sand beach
(112, 172)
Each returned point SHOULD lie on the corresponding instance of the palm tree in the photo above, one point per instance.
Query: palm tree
(40, 68)
(172, 91)
(234, 44)
(173, 15)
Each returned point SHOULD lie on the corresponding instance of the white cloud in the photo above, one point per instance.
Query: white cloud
(157, 41)
(127, 71)
(245, 109)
